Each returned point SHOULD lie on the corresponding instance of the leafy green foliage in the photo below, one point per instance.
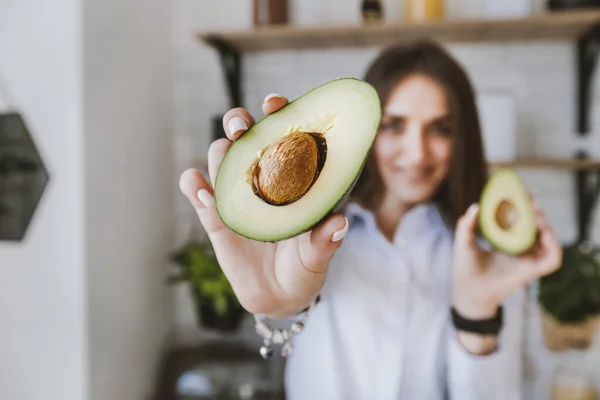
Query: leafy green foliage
(199, 267)
(572, 293)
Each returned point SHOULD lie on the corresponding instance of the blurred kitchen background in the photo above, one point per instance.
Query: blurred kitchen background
(120, 96)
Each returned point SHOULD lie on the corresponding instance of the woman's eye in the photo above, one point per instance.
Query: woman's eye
(392, 126)
(441, 129)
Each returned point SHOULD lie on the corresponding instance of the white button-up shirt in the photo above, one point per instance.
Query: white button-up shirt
(383, 330)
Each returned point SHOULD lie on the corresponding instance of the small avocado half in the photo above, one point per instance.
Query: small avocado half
(294, 167)
(506, 218)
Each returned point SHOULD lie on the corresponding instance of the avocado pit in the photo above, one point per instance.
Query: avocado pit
(287, 169)
(506, 214)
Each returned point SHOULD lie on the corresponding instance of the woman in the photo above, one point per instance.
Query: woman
(411, 303)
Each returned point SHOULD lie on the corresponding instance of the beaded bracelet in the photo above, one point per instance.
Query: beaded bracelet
(281, 336)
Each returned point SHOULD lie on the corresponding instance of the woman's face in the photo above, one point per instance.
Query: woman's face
(414, 146)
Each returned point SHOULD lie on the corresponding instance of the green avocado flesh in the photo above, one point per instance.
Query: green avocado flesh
(506, 216)
(266, 196)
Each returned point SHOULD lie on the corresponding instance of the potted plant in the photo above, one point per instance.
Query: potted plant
(570, 300)
(216, 304)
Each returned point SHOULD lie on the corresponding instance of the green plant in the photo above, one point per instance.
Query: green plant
(198, 266)
(572, 293)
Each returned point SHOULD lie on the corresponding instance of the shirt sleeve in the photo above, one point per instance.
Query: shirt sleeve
(494, 376)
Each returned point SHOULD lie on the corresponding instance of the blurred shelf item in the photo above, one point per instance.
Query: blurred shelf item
(550, 163)
(371, 11)
(425, 10)
(565, 25)
(270, 12)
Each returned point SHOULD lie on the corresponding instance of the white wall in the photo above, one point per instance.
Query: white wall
(84, 309)
(43, 343)
(540, 74)
(128, 190)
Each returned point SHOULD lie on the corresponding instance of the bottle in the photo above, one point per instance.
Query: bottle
(372, 10)
(424, 10)
(270, 12)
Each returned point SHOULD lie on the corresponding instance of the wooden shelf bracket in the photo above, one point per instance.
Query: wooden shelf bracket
(587, 193)
(231, 63)
(588, 50)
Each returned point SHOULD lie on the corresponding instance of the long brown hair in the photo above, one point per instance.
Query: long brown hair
(468, 170)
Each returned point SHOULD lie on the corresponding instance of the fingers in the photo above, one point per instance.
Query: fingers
(551, 251)
(195, 187)
(237, 121)
(216, 152)
(317, 247)
(544, 259)
(466, 227)
(539, 214)
(302, 269)
(273, 102)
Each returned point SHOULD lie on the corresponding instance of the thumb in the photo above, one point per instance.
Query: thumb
(466, 227)
(316, 248)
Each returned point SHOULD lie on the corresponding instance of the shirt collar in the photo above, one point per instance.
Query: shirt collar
(425, 216)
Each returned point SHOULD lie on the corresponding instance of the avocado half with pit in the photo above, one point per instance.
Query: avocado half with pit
(294, 167)
(506, 217)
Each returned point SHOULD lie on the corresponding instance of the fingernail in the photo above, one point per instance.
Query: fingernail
(473, 209)
(339, 235)
(270, 96)
(205, 198)
(236, 124)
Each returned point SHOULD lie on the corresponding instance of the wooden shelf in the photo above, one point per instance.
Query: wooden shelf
(549, 163)
(564, 25)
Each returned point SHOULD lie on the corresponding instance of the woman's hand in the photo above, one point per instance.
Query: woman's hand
(277, 279)
(484, 279)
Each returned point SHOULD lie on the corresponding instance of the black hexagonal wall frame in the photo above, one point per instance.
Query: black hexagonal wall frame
(23, 177)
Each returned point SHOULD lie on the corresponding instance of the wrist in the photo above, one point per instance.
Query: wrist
(273, 336)
(475, 307)
(477, 344)
(291, 311)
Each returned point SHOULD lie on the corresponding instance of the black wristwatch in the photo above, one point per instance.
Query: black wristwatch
(491, 326)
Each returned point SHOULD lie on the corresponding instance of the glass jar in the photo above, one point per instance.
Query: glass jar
(371, 10)
(424, 10)
(270, 12)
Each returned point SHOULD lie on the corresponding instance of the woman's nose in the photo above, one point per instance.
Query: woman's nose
(414, 146)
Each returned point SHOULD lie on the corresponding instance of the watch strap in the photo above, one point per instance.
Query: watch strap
(490, 326)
